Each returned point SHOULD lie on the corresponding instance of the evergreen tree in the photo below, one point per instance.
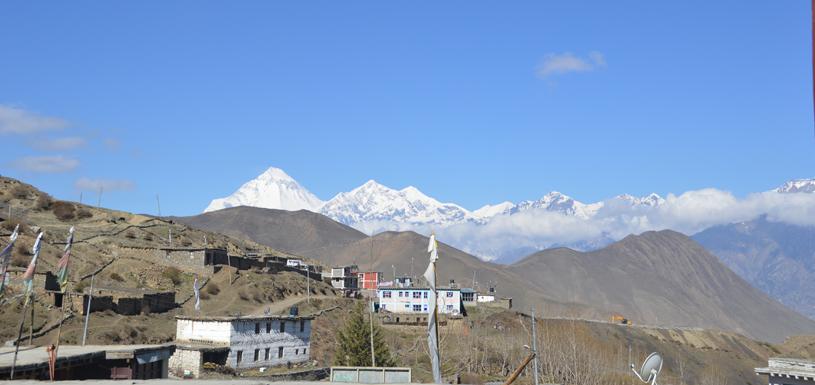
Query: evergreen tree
(354, 342)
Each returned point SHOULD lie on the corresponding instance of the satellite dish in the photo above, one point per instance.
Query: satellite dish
(650, 369)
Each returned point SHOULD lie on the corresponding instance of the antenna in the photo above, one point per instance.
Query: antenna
(650, 369)
(158, 205)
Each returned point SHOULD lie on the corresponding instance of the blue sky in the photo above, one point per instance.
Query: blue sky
(471, 102)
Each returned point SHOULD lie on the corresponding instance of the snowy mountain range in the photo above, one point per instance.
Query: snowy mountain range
(505, 230)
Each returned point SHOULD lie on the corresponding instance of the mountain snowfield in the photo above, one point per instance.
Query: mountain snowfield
(507, 231)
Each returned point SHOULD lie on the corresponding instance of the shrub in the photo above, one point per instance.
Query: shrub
(19, 191)
(44, 202)
(213, 289)
(243, 295)
(80, 286)
(204, 296)
(84, 213)
(130, 234)
(148, 237)
(116, 277)
(173, 274)
(186, 243)
(10, 224)
(64, 211)
(19, 261)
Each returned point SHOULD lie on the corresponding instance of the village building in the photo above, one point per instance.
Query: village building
(404, 281)
(240, 342)
(345, 278)
(468, 296)
(416, 300)
(789, 371)
(369, 280)
(91, 362)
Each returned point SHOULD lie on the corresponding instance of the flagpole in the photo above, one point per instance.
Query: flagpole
(88, 312)
(31, 325)
(436, 314)
(19, 337)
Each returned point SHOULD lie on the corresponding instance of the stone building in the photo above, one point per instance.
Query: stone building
(240, 342)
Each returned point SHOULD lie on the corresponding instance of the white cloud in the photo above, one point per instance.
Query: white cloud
(58, 144)
(46, 164)
(104, 184)
(562, 63)
(18, 121)
(522, 233)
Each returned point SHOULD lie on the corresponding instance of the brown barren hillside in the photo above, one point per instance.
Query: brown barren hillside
(662, 278)
(300, 232)
(659, 278)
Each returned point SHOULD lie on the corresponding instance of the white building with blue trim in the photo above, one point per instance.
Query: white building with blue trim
(416, 300)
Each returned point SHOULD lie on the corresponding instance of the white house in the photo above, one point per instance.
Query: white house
(415, 300)
(240, 342)
(789, 371)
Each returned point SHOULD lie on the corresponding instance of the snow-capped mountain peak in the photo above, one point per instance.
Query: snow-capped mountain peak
(489, 211)
(797, 186)
(375, 202)
(273, 189)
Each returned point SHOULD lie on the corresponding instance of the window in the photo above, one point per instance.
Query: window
(417, 307)
(382, 306)
(257, 354)
(239, 356)
(296, 351)
(282, 326)
(268, 326)
(257, 327)
(425, 294)
(280, 352)
(266, 354)
(449, 294)
(304, 350)
(425, 308)
(417, 294)
(449, 307)
(400, 294)
(386, 294)
(302, 325)
(407, 306)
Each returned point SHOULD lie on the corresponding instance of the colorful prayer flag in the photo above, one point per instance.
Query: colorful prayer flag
(432, 323)
(197, 292)
(28, 277)
(5, 258)
(62, 265)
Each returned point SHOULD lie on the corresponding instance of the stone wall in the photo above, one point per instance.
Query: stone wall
(98, 303)
(184, 359)
(159, 302)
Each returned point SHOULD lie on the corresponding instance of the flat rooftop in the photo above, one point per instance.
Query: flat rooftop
(36, 355)
(261, 317)
(789, 368)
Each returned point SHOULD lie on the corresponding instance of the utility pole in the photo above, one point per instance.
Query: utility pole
(158, 205)
(308, 285)
(88, 312)
(80, 197)
(170, 236)
(534, 345)
(371, 304)
(99, 198)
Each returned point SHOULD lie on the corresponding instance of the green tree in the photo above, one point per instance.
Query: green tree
(354, 342)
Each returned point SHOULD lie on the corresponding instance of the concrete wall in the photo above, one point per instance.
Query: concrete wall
(204, 332)
(184, 359)
(296, 344)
